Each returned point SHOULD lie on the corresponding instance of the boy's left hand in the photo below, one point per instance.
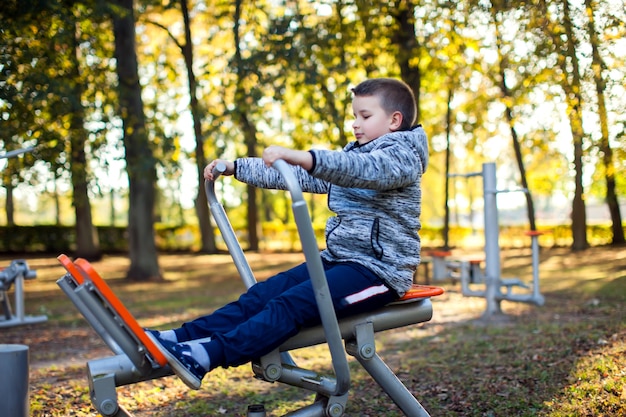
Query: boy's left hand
(273, 153)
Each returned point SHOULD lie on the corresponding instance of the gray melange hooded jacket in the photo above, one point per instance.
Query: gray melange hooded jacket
(375, 192)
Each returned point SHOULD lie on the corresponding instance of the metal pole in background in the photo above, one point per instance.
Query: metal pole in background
(492, 244)
(16, 152)
(14, 381)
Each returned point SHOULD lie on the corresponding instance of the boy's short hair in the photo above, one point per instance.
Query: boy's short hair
(395, 95)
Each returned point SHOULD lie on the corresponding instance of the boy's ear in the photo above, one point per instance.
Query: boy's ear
(396, 121)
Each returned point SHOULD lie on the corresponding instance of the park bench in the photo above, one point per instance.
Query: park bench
(137, 358)
(14, 275)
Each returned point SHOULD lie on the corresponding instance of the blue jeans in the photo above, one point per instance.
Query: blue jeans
(272, 311)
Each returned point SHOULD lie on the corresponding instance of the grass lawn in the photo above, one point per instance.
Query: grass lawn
(566, 358)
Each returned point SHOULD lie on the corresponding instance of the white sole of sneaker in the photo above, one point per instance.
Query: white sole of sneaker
(179, 369)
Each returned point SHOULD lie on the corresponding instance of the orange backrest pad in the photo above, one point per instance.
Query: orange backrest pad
(71, 268)
(81, 269)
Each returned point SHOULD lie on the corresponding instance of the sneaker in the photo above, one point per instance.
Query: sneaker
(162, 334)
(154, 333)
(180, 360)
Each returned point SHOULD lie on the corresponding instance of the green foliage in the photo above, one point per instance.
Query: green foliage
(297, 62)
(276, 236)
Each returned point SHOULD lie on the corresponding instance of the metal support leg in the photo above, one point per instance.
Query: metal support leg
(19, 271)
(106, 374)
(363, 349)
(537, 297)
(6, 305)
(104, 396)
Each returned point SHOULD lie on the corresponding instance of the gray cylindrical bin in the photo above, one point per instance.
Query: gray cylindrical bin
(14, 381)
(256, 410)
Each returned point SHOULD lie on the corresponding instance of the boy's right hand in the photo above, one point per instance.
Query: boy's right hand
(208, 170)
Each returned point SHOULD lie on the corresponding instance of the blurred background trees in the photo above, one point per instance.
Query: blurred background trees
(536, 86)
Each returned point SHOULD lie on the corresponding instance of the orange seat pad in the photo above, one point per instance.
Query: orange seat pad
(421, 291)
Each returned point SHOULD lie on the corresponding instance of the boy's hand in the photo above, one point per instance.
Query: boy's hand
(273, 153)
(208, 170)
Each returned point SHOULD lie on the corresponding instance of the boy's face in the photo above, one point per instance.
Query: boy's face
(371, 120)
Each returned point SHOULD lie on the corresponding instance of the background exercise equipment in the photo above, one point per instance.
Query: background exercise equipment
(494, 288)
(15, 274)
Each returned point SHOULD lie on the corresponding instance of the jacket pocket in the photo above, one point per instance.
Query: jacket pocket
(354, 237)
(377, 248)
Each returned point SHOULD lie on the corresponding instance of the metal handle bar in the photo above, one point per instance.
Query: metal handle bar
(318, 278)
(16, 152)
(313, 262)
(228, 234)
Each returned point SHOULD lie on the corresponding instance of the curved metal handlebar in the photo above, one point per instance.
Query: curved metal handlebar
(228, 234)
(318, 278)
(313, 262)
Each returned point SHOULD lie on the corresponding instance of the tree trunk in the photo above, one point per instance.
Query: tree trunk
(202, 210)
(87, 243)
(598, 66)
(507, 98)
(140, 163)
(57, 201)
(574, 105)
(248, 129)
(249, 132)
(446, 218)
(9, 203)
(408, 49)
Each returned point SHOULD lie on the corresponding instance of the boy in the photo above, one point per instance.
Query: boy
(372, 242)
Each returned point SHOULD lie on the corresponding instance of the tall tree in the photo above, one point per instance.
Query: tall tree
(598, 68)
(24, 82)
(555, 20)
(573, 93)
(407, 47)
(204, 219)
(140, 163)
(446, 206)
(498, 11)
(48, 104)
(87, 243)
(186, 48)
(246, 125)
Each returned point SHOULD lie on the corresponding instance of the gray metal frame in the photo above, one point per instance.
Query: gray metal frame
(131, 364)
(15, 274)
(358, 331)
(493, 281)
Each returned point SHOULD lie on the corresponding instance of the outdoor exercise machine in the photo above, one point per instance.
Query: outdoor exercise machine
(494, 288)
(138, 359)
(15, 274)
